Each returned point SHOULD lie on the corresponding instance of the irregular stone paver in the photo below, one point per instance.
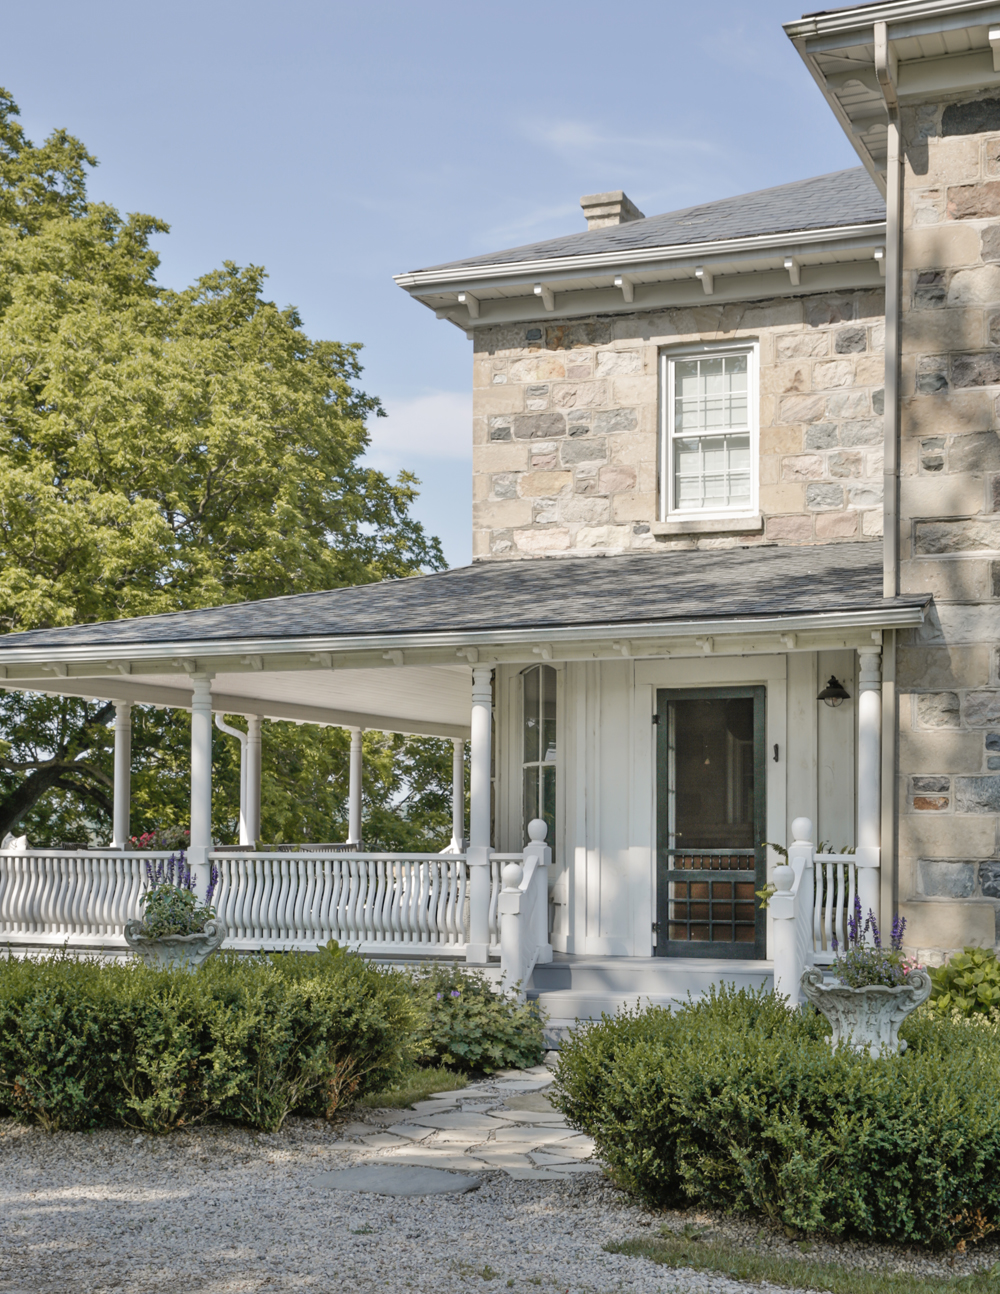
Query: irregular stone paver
(504, 1122)
(377, 1179)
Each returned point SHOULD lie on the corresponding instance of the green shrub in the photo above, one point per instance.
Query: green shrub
(738, 1103)
(86, 1044)
(968, 983)
(468, 1024)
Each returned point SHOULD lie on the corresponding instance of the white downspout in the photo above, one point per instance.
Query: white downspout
(220, 723)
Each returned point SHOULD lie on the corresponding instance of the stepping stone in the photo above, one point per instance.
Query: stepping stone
(392, 1179)
(505, 1159)
(533, 1136)
(578, 1147)
(536, 1102)
(434, 1107)
(424, 1159)
(545, 1160)
(474, 1122)
(379, 1140)
(411, 1131)
(553, 1120)
(355, 1130)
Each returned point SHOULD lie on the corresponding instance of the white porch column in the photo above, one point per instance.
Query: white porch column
(869, 779)
(354, 790)
(201, 781)
(123, 775)
(457, 794)
(478, 852)
(253, 757)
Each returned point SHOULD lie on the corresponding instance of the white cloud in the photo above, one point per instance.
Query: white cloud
(437, 425)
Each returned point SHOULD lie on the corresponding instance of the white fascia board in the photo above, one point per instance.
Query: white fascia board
(512, 273)
(896, 617)
(904, 18)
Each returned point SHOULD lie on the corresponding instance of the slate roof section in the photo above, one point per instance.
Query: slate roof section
(536, 594)
(824, 202)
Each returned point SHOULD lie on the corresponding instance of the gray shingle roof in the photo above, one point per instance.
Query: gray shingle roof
(824, 202)
(544, 593)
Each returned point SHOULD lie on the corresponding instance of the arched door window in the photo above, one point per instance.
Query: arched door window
(538, 750)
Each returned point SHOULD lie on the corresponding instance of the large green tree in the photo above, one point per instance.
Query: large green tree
(163, 450)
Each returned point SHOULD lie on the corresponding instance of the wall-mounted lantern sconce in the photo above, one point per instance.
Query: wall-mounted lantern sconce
(834, 693)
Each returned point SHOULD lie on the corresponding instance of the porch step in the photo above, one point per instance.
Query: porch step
(583, 988)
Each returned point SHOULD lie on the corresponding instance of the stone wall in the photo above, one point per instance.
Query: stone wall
(566, 427)
(949, 791)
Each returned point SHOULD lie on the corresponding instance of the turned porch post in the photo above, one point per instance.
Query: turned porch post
(457, 794)
(478, 853)
(869, 778)
(354, 790)
(253, 757)
(201, 781)
(123, 775)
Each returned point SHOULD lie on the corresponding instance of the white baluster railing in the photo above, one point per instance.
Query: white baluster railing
(367, 901)
(812, 904)
(524, 909)
(81, 898)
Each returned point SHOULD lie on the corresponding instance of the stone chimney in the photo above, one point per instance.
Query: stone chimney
(602, 209)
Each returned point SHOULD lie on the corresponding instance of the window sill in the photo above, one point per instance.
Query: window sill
(709, 525)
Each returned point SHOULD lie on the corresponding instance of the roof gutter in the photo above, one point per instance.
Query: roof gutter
(895, 617)
(452, 276)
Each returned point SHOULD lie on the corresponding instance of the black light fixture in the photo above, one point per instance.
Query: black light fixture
(834, 693)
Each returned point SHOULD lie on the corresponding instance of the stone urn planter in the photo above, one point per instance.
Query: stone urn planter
(175, 952)
(866, 1018)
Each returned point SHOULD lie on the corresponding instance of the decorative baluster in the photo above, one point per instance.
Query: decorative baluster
(324, 893)
(83, 908)
(495, 887)
(460, 902)
(351, 917)
(258, 903)
(442, 870)
(831, 892)
(35, 924)
(338, 869)
(378, 904)
(305, 917)
(852, 887)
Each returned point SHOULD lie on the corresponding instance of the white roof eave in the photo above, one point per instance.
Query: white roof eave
(420, 282)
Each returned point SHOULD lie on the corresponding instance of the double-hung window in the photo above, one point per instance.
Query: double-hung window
(708, 450)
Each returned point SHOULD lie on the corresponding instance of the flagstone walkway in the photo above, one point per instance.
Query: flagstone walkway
(505, 1122)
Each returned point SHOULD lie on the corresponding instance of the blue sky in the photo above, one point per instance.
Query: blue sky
(339, 144)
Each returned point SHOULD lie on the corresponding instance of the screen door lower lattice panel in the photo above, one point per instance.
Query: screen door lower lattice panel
(711, 902)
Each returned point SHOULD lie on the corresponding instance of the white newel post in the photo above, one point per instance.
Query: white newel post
(253, 778)
(241, 737)
(537, 848)
(457, 795)
(123, 775)
(201, 781)
(868, 853)
(791, 912)
(354, 790)
(478, 853)
(512, 932)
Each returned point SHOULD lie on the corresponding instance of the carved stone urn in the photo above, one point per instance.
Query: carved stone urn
(868, 1018)
(175, 952)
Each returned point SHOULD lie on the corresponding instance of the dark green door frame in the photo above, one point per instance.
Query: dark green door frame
(710, 878)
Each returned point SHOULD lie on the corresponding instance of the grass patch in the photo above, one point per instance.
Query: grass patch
(415, 1085)
(672, 1250)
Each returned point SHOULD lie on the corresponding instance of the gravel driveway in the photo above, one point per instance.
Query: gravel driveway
(226, 1211)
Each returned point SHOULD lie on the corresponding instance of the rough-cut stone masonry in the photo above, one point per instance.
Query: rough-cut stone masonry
(949, 684)
(566, 426)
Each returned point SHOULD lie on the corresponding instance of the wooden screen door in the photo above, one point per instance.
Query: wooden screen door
(710, 855)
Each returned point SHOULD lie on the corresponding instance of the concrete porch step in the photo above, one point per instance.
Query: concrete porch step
(583, 988)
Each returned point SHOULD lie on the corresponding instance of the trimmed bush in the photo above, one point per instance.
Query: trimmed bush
(89, 1044)
(737, 1102)
(968, 983)
(470, 1025)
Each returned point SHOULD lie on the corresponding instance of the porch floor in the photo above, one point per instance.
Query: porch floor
(573, 987)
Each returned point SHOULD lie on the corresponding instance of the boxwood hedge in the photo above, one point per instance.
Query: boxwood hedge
(738, 1102)
(87, 1044)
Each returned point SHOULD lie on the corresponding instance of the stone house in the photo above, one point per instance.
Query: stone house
(736, 476)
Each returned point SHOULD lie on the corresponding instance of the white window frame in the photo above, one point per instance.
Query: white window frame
(720, 350)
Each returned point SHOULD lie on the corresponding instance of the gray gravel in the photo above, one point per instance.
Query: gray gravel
(223, 1211)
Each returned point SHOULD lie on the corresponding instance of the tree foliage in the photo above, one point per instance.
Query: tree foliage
(160, 450)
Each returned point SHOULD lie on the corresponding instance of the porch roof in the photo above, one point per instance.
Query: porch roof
(384, 655)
